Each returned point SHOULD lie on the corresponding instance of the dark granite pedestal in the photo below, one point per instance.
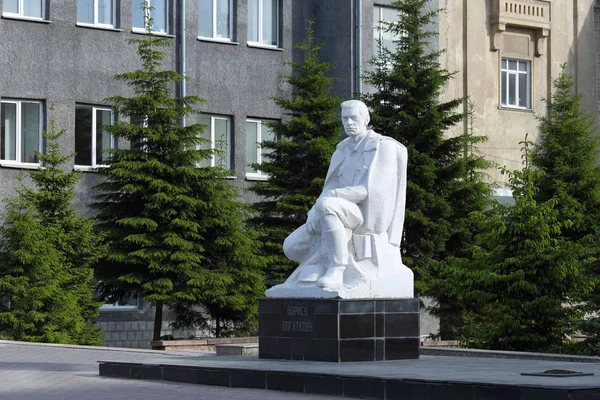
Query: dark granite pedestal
(339, 330)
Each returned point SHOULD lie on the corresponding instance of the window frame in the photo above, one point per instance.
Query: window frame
(211, 127)
(117, 307)
(18, 135)
(506, 71)
(379, 24)
(143, 29)
(258, 174)
(96, 13)
(214, 23)
(260, 24)
(20, 14)
(113, 140)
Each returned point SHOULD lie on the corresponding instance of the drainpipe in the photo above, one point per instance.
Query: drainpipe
(182, 34)
(359, 47)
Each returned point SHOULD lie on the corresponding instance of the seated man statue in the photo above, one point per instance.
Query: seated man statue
(349, 246)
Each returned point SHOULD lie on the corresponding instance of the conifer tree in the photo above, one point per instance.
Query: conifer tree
(47, 254)
(568, 151)
(297, 161)
(445, 179)
(177, 230)
(516, 284)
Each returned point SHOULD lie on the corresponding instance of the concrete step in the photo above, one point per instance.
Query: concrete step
(240, 349)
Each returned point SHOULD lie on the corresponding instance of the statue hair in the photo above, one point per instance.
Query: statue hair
(362, 108)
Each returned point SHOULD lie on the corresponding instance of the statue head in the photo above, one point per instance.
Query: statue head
(355, 118)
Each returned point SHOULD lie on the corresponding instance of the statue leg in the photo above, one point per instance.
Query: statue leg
(338, 219)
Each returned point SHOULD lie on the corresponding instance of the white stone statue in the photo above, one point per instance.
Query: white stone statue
(349, 246)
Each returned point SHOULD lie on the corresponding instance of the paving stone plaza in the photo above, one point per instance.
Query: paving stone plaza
(54, 372)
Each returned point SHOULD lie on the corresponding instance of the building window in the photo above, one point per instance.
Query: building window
(217, 133)
(516, 83)
(158, 11)
(96, 12)
(21, 131)
(126, 304)
(257, 131)
(91, 139)
(214, 19)
(24, 8)
(382, 39)
(263, 22)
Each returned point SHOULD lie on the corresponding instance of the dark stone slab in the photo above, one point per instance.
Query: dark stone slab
(400, 349)
(364, 388)
(326, 326)
(540, 394)
(248, 379)
(403, 305)
(324, 385)
(152, 372)
(496, 393)
(324, 350)
(357, 350)
(401, 325)
(332, 329)
(285, 382)
(592, 394)
(406, 391)
(450, 392)
(179, 374)
(115, 369)
(377, 381)
(357, 307)
(379, 325)
(214, 377)
(379, 349)
(327, 307)
(269, 324)
(357, 326)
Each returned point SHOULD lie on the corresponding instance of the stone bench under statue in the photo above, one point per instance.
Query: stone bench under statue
(351, 298)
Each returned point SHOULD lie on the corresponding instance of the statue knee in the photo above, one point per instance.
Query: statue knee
(327, 205)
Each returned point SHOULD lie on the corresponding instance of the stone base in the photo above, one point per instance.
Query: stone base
(339, 330)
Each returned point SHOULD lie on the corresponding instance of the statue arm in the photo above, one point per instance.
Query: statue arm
(354, 194)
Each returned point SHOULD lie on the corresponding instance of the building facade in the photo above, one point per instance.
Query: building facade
(64, 54)
(506, 54)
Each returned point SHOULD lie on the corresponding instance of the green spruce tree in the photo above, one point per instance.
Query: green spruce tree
(47, 253)
(297, 161)
(445, 179)
(568, 151)
(517, 282)
(177, 230)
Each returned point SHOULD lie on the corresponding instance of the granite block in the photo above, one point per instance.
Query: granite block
(248, 379)
(324, 385)
(285, 382)
(395, 390)
(357, 350)
(364, 388)
(357, 307)
(357, 326)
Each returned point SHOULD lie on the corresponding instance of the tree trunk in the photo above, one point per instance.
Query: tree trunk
(157, 321)
(218, 327)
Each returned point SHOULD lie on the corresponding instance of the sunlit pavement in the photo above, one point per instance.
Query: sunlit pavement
(33, 371)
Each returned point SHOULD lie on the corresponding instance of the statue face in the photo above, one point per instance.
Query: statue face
(354, 123)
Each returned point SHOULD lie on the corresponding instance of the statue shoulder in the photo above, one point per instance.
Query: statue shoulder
(391, 142)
